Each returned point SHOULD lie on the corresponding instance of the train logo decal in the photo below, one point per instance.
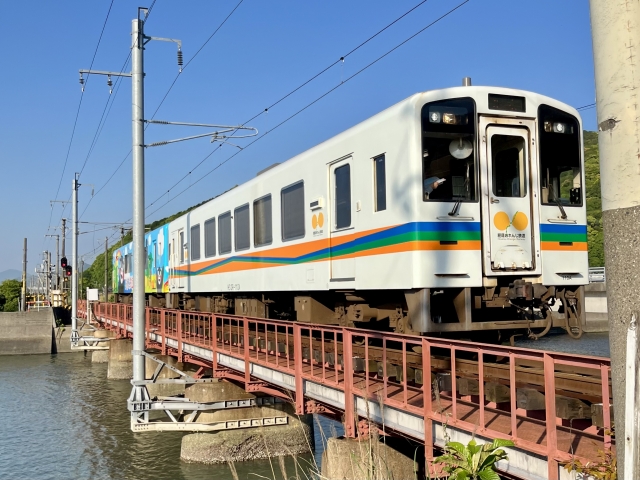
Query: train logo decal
(519, 221)
(317, 221)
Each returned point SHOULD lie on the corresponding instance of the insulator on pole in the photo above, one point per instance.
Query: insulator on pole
(180, 59)
(81, 82)
(109, 84)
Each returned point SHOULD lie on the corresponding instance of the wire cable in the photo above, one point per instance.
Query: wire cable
(75, 122)
(586, 107)
(327, 68)
(314, 102)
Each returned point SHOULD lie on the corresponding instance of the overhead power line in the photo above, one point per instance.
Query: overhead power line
(75, 122)
(302, 85)
(165, 97)
(313, 102)
(586, 107)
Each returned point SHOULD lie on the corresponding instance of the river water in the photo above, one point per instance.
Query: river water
(62, 419)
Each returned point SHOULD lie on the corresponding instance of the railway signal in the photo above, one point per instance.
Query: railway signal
(63, 262)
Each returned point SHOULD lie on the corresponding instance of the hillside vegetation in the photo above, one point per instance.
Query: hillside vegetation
(94, 275)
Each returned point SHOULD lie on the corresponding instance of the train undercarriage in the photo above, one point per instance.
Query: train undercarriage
(491, 312)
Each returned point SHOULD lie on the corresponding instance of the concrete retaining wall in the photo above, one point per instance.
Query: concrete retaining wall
(595, 305)
(25, 333)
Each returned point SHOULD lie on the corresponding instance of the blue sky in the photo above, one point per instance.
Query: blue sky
(265, 50)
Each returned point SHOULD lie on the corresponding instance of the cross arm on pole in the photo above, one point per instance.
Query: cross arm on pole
(103, 72)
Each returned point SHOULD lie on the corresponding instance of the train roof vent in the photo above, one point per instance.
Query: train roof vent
(266, 169)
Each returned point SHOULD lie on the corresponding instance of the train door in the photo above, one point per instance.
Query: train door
(342, 219)
(510, 214)
(176, 259)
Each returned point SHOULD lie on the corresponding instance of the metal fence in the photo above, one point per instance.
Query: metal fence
(476, 387)
(597, 275)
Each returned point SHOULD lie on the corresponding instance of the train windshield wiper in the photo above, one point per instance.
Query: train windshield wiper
(563, 214)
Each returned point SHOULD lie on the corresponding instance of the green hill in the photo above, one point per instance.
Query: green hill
(94, 275)
(594, 203)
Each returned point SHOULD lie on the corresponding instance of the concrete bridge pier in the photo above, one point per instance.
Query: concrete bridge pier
(277, 430)
(120, 359)
(371, 457)
(102, 356)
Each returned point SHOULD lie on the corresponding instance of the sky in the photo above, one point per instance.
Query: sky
(262, 52)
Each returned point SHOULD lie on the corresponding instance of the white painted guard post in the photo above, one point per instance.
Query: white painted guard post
(615, 28)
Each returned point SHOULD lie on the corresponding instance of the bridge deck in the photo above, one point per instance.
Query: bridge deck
(337, 369)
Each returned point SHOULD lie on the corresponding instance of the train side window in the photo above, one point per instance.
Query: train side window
(195, 242)
(448, 151)
(242, 225)
(380, 187)
(182, 247)
(343, 196)
(210, 238)
(224, 233)
(262, 231)
(560, 157)
(292, 198)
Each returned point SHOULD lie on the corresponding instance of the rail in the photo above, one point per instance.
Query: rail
(469, 386)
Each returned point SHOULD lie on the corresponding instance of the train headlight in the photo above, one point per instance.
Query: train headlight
(453, 119)
(558, 127)
(434, 117)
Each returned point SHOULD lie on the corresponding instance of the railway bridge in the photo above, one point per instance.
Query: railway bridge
(555, 407)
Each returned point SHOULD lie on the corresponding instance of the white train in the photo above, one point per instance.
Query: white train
(455, 210)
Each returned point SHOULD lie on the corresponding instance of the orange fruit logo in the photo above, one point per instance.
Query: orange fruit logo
(314, 222)
(502, 222)
(320, 219)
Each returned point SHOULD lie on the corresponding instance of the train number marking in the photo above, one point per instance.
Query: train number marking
(566, 277)
(233, 286)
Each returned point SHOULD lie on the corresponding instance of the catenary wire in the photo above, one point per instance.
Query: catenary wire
(164, 98)
(313, 102)
(75, 122)
(302, 85)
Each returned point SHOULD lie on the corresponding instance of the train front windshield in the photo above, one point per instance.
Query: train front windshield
(448, 153)
(560, 165)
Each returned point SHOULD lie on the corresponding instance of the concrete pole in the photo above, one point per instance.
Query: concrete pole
(57, 262)
(23, 296)
(64, 234)
(106, 269)
(137, 119)
(82, 292)
(74, 264)
(615, 26)
(49, 276)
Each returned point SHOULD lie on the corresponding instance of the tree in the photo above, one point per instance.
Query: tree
(10, 295)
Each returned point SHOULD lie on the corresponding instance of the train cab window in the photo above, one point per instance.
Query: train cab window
(210, 238)
(242, 224)
(380, 187)
(292, 198)
(195, 242)
(224, 233)
(262, 234)
(508, 166)
(343, 196)
(448, 150)
(560, 157)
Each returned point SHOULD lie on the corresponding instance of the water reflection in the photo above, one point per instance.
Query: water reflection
(63, 419)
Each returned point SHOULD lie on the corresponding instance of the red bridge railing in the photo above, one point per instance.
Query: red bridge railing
(419, 375)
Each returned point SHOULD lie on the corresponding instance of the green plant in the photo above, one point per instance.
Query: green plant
(606, 469)
(473, 461)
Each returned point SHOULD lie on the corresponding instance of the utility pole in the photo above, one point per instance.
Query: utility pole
(45, 270)
(106, 269)
(82, 278)
(615, 28)
(74, 263)
(64, 234)
(23, 296)
(139, 395)
(49, 276)
(57, 282)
